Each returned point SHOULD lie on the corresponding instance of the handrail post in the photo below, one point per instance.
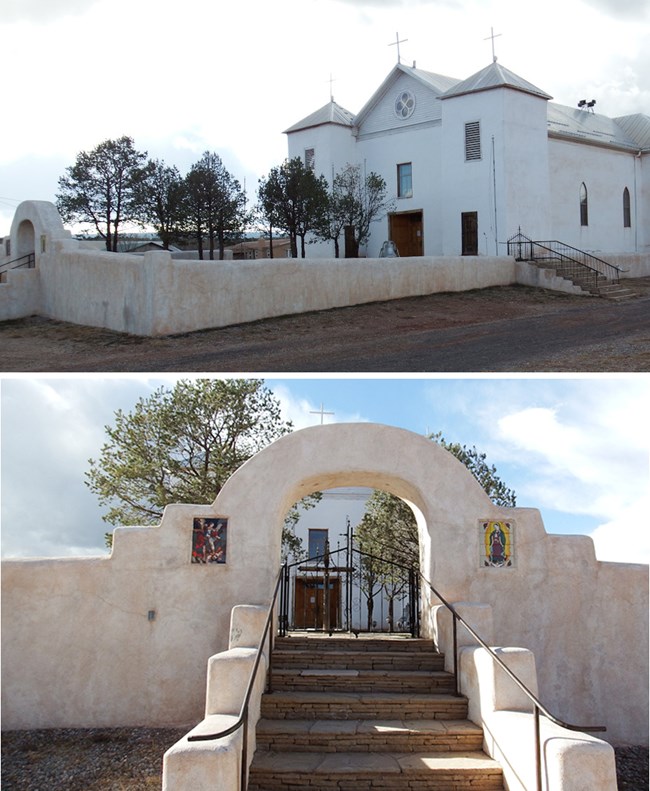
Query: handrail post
(538, 750)
(455, 633)
(244, 752)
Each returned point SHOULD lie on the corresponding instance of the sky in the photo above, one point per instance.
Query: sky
(183, 78)
(575, 448)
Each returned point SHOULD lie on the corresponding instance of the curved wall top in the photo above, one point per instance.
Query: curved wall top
(447, 499)
(36, 224)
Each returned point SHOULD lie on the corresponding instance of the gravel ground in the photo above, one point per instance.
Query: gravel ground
(130, 759)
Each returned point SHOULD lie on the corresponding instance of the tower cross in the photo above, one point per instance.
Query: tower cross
(493, 35)
(331, 81)
(321, 412)
(396, 43)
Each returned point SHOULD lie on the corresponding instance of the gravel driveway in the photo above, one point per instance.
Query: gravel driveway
(513, 328)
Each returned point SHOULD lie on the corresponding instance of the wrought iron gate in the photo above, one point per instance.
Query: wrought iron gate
(349, 590)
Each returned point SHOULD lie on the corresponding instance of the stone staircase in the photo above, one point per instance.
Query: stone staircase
(584, 278)
(366, 713)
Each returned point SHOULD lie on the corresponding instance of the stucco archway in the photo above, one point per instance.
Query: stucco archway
(447, 500)
(35, 226)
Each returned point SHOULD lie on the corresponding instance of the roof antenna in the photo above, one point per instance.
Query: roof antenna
(332, 80)
(493, 36)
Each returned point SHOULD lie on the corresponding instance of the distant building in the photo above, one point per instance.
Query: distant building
(470, 162)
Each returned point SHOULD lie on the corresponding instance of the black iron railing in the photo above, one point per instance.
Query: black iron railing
(350, 590)
(570, 260)
(24, 262)
(242, 721)
(538, 707)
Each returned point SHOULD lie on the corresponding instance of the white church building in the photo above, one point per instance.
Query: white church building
(471, 162)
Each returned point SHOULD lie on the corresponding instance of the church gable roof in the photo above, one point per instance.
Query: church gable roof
(494, 76)
(637, 127)
(331, 113)
(434, 85)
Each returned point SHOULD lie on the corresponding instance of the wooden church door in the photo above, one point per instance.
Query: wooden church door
(469, 225)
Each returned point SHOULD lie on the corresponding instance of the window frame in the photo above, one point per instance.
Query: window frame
(313, 531)
(402, 177)
(627, 209)
(584, 206)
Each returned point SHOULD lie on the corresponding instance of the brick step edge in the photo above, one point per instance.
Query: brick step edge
(400, 645)
(468, 770)
(394, 736)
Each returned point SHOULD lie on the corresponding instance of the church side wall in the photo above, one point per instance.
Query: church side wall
(606, 173)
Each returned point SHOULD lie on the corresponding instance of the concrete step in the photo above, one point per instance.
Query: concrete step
(345, 680)
(358, 660)
(366, 772)
(616, 292)
(398, 736)
(362, 706)
(345, 642)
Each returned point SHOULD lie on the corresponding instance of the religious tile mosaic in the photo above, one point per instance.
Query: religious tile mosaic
(209, 537)
(497, 544)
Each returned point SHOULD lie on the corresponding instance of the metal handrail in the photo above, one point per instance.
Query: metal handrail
(566, 253)
(243, 713)
(29, 262)
(538, 706)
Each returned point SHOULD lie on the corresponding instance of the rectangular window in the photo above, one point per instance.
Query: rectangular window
(317, 541)
(472, 141)
(310, 159)
(405, 180)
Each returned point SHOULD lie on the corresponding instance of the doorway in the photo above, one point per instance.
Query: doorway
(469, 225)
(311, 602)
(405, 229)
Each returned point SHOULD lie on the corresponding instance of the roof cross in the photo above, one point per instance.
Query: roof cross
(320, 412)
(396, 43)
(331, 81)
(493, 35)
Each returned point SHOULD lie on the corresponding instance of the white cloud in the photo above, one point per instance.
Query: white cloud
(589, 457)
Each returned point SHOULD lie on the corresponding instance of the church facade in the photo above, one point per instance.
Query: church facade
(469, 163)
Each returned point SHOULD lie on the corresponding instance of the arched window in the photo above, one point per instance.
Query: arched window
(627, 214)
(584, 205)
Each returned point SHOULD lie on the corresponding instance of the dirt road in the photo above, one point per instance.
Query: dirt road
(513, 329)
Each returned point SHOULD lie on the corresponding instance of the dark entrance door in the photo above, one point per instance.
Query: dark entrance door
(406, 232)
(311, 603)
(469, 224)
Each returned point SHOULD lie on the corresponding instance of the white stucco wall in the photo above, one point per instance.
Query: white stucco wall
(78, 648)
(606, 173)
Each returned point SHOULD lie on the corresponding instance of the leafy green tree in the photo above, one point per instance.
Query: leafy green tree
(181, 445)
(356, 202)
(216, 204)
(293, 199)
(101, 188)
(485, 474)
(161, 194)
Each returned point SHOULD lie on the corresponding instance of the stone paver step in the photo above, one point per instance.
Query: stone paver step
(363, 680)
(397, 736)
(366, 772)
(362, 705)
(396, 643)
(359, 660)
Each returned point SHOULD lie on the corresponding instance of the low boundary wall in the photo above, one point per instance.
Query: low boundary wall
(156, 295)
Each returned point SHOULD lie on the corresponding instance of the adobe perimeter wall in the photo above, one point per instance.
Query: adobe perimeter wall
(80, 647)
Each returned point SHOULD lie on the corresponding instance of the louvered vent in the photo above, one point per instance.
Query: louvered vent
(472, 141)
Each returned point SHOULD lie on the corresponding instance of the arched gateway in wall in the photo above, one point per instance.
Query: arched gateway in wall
(448, 502)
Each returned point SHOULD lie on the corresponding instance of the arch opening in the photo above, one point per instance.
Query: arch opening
(353, 556)
(25, 239)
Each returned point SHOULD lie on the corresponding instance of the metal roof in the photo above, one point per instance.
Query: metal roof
(494, 76)
(630, 132)
(331, 113)
(638, 128)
